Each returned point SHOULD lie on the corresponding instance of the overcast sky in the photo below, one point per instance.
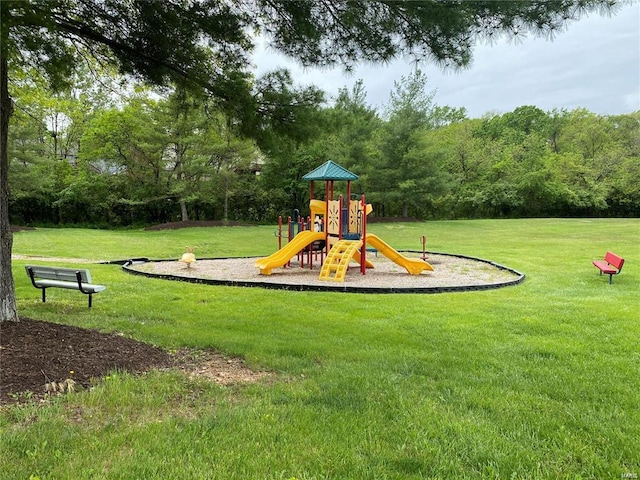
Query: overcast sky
(593, 64)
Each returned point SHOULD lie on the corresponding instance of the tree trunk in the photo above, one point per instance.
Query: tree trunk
(8, 308)
(183, 211)
(225, 205)
(225, 210)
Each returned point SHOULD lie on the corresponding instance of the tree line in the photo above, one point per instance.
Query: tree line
(90, 156)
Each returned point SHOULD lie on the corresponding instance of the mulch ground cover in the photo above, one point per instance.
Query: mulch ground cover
(35, 353)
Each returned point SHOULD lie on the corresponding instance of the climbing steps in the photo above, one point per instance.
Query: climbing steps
(335, 265)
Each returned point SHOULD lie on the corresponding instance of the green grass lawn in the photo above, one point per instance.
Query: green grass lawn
(540, 380)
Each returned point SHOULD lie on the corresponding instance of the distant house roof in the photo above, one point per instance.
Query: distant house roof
(330, 171)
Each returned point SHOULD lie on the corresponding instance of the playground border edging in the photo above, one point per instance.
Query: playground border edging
(333, 287)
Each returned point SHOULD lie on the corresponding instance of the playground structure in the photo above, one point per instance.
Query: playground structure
(337, 229)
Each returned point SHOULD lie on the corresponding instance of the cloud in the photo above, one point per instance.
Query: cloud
(594, 64)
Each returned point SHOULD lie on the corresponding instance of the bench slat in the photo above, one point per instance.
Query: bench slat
(87, 287)
(615, 260)
(59, 273)
(605, 267)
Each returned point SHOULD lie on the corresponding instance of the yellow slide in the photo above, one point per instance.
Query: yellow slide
(413, 265)
(286, 253)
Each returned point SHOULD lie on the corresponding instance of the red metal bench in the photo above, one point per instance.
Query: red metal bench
(611, 265)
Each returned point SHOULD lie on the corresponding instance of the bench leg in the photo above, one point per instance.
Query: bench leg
(44, 295)
(90, 297)
(610, 278)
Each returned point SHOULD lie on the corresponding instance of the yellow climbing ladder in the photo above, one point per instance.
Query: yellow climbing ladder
(335, 265)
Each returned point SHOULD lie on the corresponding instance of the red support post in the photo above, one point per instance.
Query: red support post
(279, 232)
(363, 235)
(289, 236)
(340, 218)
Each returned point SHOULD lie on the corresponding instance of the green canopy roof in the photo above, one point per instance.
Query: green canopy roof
(330, 171)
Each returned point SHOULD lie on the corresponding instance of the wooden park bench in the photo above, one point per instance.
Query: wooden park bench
(611, 265)
(58, 277)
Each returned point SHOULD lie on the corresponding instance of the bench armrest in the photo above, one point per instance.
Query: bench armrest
(31, 276)
(79, 278)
